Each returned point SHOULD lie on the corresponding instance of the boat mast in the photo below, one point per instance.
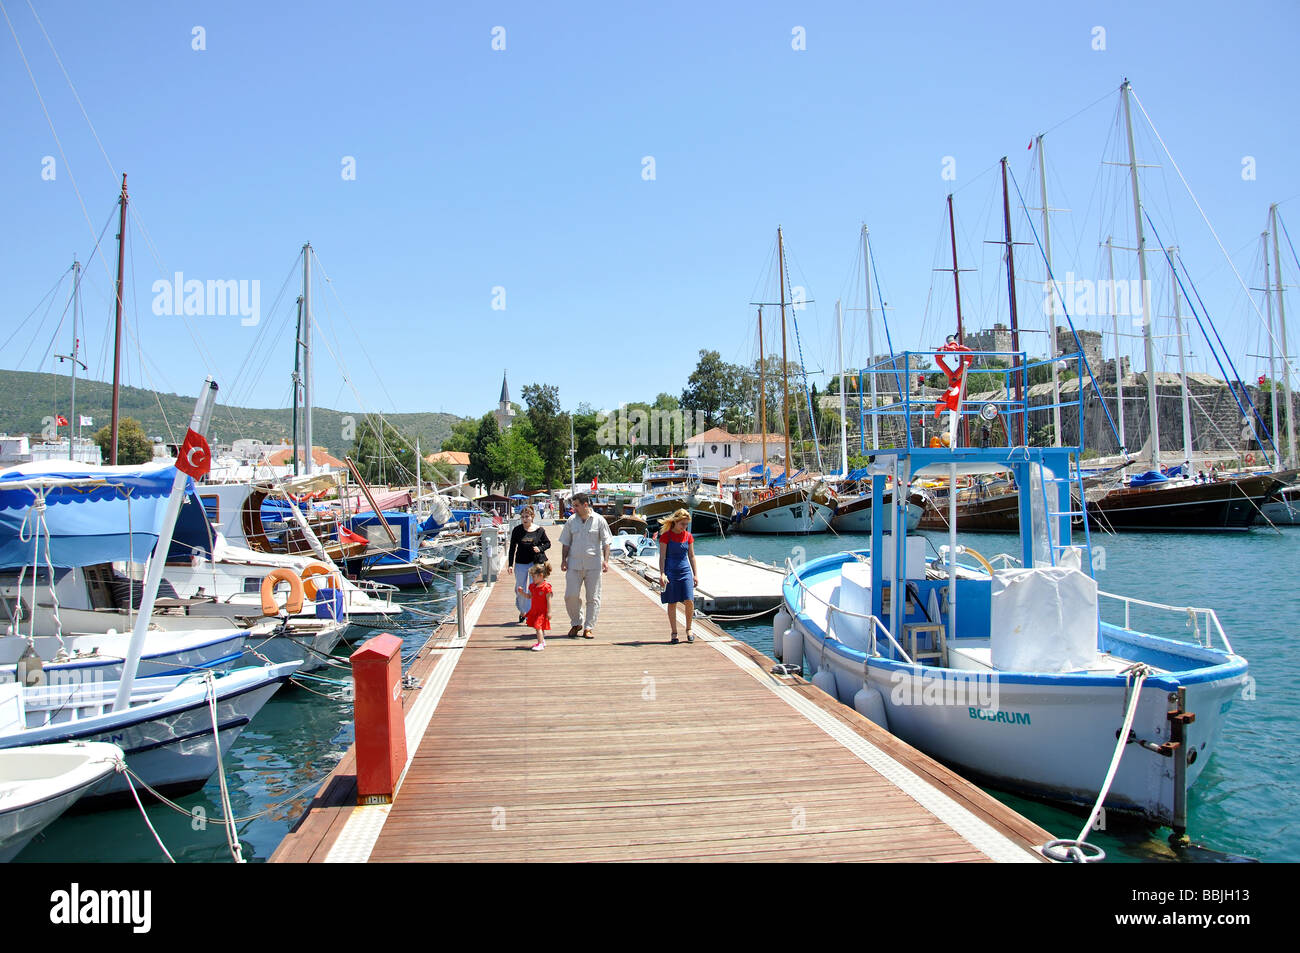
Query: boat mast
(1272, 367)
(785, 365)
(1286, 361)
(297, 382)
(1011, 296)
(573, 450)
(1153, 411)
(844, 425)
(1119, 364)
(1182, 364)
(871, 339)
(73, 425)
(117, 324)
(1051, 299)
(306, 356)
(762, 396)
(956, 279)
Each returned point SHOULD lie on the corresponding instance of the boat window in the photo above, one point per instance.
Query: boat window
(252, 584)
(212, 506)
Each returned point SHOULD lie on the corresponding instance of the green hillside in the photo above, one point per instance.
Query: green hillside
(26, 398)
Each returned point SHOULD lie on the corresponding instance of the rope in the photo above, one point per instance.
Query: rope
(232, 835)
(1074, 851)
(127, 773)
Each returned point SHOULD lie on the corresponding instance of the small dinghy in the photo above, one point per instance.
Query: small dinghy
(37, 784)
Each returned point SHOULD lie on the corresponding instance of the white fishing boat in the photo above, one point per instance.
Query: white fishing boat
(1022, 674)
(166, 729)
(38, 784)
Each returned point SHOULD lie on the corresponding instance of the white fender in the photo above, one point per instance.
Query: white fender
(792, 646)
(870, 704)
(779, 624)
(825, 680)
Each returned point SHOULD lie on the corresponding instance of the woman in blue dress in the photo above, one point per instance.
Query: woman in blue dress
(677, 575)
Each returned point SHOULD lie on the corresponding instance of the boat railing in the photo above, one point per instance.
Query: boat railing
(995, 402)
(1203, 623)
(876, 624)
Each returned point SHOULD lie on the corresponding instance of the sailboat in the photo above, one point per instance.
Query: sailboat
(1153, 501)
(780, 505)
(853, 495)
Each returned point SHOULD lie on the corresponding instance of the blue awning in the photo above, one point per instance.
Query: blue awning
(92, 514)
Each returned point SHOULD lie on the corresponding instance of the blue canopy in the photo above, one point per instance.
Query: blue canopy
(92, 515)
(1148, 478)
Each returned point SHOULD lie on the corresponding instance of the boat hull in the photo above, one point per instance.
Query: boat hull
(216, 651)
(855, 516)
(39, 784)
(798, 511)
(1223, 506)
(169, 742)
(1048, 735)
(709, 517)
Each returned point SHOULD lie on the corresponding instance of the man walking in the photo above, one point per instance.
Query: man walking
(584, 549)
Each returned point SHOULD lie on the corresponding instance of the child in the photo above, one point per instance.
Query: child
(539, 611)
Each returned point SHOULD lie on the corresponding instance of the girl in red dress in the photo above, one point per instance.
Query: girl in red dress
(539, 611)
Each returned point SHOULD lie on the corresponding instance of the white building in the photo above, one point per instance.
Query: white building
(18, 450)
(716, 450)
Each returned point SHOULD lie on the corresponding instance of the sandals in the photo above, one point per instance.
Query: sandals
(674, 640)
(588, 634)
(690, 636)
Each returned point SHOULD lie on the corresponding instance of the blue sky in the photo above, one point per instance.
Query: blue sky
(522, 169)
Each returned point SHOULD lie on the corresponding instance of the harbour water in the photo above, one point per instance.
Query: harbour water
(1246, 803)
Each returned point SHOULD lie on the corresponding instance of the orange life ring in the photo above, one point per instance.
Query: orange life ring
(293, 604)
(1250, 459)
(309, 575)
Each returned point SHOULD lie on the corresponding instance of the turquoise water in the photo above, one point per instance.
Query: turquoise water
(1247, 801)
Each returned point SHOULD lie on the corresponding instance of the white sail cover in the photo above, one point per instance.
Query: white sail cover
(1043, 620)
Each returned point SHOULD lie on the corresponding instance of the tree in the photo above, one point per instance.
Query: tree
(486, 436)
(462, 436)
(550, 428)
(133, 444)
(516, 461)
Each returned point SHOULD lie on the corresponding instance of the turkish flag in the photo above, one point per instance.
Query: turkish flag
(593, 483)
(60, 421)
(195, 457)
(347, 536)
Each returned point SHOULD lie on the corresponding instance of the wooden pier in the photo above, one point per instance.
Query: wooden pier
(628, 748)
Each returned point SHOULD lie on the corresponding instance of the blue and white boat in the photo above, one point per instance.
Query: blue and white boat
(1019, 671)
(173, 729)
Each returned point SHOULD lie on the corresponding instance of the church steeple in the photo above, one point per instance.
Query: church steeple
(505, 414)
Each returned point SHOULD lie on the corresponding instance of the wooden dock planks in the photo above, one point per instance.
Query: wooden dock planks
(627, 748)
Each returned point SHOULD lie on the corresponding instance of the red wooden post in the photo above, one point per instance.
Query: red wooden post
(377, 712)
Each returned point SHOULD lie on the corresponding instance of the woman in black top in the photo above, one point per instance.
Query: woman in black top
(528, 544)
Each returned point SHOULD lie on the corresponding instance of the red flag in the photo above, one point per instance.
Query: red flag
(1261, 380)
(594, 483)
(671, 466)
(60, 421)
(195, 457)
(347, 536)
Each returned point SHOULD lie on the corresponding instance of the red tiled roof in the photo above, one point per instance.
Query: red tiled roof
(319, 456)
(457, 458)
(718, 435)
